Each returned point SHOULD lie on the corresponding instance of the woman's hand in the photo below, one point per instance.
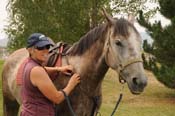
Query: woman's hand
(74, 80)
(67, 70)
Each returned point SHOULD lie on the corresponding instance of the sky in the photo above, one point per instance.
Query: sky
(3, 18)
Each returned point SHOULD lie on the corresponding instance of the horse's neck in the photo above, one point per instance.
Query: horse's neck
(91, 65)
(91, 61)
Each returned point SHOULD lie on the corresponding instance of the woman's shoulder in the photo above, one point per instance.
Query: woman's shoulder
(37, 74)
(38, 70)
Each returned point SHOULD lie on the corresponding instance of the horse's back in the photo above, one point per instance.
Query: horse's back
(10, 68)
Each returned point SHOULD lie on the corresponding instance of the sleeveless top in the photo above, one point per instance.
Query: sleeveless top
(34, 103)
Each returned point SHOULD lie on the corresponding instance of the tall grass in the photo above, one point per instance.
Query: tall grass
(156, 100)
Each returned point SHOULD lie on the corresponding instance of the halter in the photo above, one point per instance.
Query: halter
(122, 65)
(120, 68)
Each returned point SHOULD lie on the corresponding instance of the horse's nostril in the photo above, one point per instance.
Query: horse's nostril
(135, 81)
(139, 82)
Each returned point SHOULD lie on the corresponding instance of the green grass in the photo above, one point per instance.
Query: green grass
(156, 100)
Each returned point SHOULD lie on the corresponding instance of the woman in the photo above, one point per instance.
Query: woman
(38, 92)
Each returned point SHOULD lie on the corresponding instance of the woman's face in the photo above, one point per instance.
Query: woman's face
(40, 53)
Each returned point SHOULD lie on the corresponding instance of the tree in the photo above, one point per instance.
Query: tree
(133, 7)
(65, 20)
(163, 47)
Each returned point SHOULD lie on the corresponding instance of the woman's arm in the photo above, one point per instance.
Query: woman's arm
(51, 70)
(64, 69)
(40, 79)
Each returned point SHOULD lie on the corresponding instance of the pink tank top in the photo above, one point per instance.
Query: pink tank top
(34, 103)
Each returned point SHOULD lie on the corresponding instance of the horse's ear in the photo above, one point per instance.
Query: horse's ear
(131, 18)
(107, 16)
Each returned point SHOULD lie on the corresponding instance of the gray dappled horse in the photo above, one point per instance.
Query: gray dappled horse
(115, 44)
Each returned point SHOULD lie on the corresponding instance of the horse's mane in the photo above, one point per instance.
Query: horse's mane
(86, 41)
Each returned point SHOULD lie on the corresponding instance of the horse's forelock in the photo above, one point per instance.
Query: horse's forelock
(121, 27)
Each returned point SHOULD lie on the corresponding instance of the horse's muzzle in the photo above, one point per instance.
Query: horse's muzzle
(137, 84)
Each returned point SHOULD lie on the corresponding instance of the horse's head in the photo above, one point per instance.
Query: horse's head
(123, 53)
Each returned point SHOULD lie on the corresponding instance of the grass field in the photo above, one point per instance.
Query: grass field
(156, 100)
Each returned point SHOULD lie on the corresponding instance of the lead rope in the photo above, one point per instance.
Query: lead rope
(68, 102)
(118, 101)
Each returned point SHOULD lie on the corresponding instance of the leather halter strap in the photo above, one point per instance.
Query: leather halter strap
(123, 65)
(129, 62)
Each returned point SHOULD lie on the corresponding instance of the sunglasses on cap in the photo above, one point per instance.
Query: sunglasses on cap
(43, 48)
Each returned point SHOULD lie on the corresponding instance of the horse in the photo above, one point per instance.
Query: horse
(114, 44)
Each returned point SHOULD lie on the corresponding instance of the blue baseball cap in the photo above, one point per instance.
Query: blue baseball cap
(38, 40)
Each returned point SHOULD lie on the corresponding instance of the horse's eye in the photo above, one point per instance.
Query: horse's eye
(118, 42)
